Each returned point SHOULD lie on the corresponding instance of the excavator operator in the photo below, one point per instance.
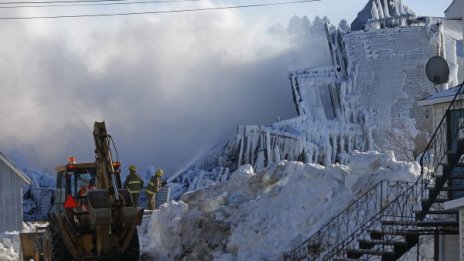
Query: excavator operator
(83, 192)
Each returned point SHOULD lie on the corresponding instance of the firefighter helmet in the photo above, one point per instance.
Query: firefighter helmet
(159, 172)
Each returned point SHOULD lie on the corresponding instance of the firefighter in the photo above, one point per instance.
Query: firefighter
(153, 188)
(134, 184)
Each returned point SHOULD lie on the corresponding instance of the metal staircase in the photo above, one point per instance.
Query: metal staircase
(387, 220)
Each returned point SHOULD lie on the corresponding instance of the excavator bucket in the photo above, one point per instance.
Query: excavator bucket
(29, 245)
(99, 207)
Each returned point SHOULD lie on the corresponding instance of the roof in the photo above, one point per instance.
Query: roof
(88, 165)
(454, 11)
(15, 169)
(441, 97)
(454, 204)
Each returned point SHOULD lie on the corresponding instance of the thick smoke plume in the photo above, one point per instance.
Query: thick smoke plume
(169, 87)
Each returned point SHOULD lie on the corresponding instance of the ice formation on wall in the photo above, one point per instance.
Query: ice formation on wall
(382, 12)
(366, 100)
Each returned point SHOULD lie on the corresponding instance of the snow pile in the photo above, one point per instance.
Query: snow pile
(10, 243)
(259, 216)
(9, 246)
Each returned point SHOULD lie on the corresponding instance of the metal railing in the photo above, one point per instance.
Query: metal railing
(387, 200)
(434, 159)
(353, 222)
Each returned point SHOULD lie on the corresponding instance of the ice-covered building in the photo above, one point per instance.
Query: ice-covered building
(454, 32)
(378, 73)
(367, 99)
(12, 179)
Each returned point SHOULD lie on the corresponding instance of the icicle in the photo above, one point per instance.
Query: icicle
(397, 8)
(374, 23)
(401, 7)
(333, 139)
(276, 154)
(327, 154)
(260, 159)
(240, 155)
(375, 12)
(434, 31)
(316, 154)
(342, 142)
(386, 9)
(350, 142)
(254, 144)
(370, 139)
(380, 9)
(308, 151)
(451, 58)
(268, 148)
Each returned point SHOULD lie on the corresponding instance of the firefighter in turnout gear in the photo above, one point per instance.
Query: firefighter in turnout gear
(153, 188)
(134, 184)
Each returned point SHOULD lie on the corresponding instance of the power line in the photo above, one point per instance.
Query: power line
(155, 12)
(58, 2)
(100, 3)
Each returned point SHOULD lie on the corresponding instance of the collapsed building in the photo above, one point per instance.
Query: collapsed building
(365, 100)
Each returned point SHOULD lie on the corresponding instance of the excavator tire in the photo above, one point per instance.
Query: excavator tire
(58, 249)
(133, 250)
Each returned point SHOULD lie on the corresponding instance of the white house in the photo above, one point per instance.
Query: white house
(11, 205)
(455, 10)
(451, 246)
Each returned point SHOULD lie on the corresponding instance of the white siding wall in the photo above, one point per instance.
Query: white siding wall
(438, 112)
(449, 247)
(11, 209)
(461, 234)
(449, 244)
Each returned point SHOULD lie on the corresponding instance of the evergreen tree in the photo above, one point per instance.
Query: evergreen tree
(344, 26)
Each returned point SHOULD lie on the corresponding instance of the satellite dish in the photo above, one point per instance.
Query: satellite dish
(437, 70)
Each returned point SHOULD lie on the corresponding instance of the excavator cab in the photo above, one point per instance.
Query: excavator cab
(74, 180)
(99, 224)
(74, 183)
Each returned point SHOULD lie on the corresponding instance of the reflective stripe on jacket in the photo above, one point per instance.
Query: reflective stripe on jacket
(154, 185)
(133, 183)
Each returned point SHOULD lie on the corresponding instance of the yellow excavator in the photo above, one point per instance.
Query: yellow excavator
(93, 217)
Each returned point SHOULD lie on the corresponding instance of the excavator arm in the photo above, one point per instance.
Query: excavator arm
(107, 177)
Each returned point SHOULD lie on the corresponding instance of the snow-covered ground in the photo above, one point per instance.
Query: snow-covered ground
(9, 246)
(255, 216)
(9, 242)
